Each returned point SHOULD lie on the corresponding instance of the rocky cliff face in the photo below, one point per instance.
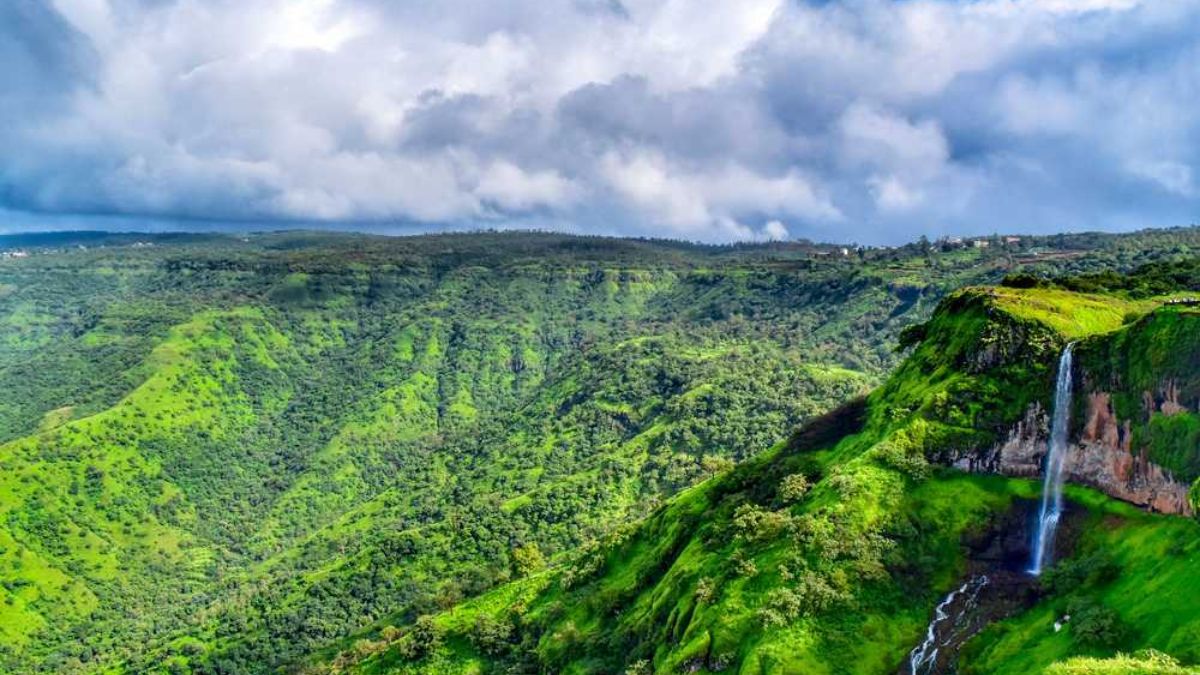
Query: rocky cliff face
(1101, 456)
(1020, 454)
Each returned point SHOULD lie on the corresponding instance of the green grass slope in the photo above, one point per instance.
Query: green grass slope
(1140, 598)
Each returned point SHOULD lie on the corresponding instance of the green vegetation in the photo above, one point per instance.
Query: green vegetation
(1150, 370)
(1137, 602)
(1072, 315)
(760, 571)
(1143, 663)
(240, 454)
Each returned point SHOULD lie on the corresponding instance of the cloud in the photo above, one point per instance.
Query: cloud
(1170, 176)
(876, 138)
(774, 231)
(711, 202)
(512, 188)
(864, 120)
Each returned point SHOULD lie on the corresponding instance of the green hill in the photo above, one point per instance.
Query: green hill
(235, 454)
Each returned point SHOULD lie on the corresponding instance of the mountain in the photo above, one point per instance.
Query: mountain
(828, 552)
(237, 454)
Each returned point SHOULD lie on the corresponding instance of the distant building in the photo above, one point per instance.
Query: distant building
(1012, 240)
(980, 243)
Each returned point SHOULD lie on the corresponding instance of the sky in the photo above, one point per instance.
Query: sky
(865, 121)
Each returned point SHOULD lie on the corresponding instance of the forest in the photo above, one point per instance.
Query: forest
(512, 452)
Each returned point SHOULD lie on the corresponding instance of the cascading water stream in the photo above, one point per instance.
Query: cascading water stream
(924, 658)
(1052, 502)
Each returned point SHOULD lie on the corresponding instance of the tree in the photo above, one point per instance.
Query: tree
(422, 640)
(714, 464)
(793, 488)
(528, 559)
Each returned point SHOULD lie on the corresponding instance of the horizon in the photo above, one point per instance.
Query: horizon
(234, 233)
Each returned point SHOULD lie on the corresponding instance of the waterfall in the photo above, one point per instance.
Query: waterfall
(924, 657)
(1052, 502)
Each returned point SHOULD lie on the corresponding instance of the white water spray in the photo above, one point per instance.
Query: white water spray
(924, 656)
(1052, 501)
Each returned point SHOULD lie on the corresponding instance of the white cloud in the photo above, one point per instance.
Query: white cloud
(90, 17)
(1028, 107)
(867, 119)
(310, 24)
(891, 194)
(877, 138)
(775, 231)
(711, 201)
(515, 189)
(1171, 176)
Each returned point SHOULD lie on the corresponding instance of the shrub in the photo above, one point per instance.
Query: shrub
(423, 639)
(492, 636)
(742, 565)
(909, 460)
(813, 593)
(640, 667)
(1023, 280)
(753, 523)
(1073, 574)
(528, 559)
(793, 488)
(1094, 625)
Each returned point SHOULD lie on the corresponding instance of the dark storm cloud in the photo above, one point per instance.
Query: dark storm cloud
(864, 119)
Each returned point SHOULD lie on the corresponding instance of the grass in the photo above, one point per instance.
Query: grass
(1073, 315)
(1141, 663)
(1158, 557)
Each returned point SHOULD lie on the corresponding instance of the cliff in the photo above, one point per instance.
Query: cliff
(1134, 433)
(1101, 457)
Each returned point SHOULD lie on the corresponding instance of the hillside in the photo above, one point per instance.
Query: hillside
(225, 454)
(827, 553)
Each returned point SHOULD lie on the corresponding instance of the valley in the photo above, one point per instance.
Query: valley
(536, 452)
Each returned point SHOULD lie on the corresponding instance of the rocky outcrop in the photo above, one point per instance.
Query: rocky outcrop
(1170, 404)
(1101, 457)
(1020, 454)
